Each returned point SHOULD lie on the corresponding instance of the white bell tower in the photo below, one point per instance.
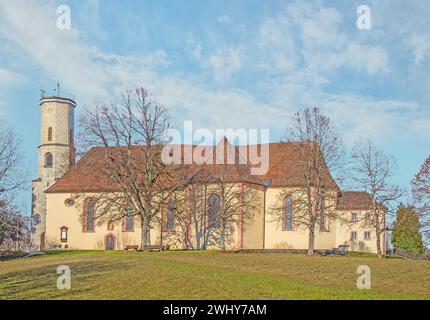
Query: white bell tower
(56, 154)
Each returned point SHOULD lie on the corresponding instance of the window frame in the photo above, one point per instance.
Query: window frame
(88, 202)
(356, 236)
(284, 213)
(129, 215)
(369, 237)
(210, 217)
(354, 214)
(50, 134)
(171, 212)
(66, 230)
(48, 160)
(324, 224)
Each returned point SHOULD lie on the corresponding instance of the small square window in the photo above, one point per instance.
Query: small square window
(367, 235)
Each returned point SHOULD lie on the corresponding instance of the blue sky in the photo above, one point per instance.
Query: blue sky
(229, 64)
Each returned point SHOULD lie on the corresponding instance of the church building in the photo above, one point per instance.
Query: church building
(57, 215)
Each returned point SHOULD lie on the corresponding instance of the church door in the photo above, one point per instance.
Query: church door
(110, 242)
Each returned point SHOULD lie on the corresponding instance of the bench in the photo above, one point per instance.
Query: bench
(131, 247)
(155, 247)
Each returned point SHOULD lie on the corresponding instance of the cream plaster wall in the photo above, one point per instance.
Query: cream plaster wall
(60, 215)
(298, 238)
(253, 233)
(343, 233)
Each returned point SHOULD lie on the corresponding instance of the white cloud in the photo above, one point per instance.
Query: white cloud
(366, 58)
(281, 48)
(224, 19)
(9, 80)
(311, 37)
(358, 116)
(224, 62)
(194, 49)
(31, 27)
(420, 44)
(95, 76)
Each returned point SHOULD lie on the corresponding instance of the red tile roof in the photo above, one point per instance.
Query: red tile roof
(286, 168)
(354, 200)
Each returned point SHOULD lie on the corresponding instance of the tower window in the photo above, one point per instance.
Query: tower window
(48, 160)
(49, 134)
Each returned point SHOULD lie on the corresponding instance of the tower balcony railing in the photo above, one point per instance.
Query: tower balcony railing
(61, 95)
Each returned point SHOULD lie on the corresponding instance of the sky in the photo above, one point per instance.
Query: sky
(228, 64)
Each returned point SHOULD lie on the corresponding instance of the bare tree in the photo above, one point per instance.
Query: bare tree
(421, 195)
(212, 208)
(6, 223)
(198, 205)
(177, 218)
(235, 210)
(313, 190)
(11, 180)
(372, 172)
(132, 133)
(15, 230)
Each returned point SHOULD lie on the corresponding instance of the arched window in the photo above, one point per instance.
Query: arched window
(171, 210)
(323, 222)
(214, 207)
(63, 234)
(90, 213)
(49, 134)
(323, 218)
(48, 160)
(288, 213)
(129, 219)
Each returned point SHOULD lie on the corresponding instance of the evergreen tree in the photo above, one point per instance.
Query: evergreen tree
(406, 232)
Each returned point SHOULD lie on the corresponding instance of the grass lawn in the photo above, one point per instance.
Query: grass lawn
(211, 275)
